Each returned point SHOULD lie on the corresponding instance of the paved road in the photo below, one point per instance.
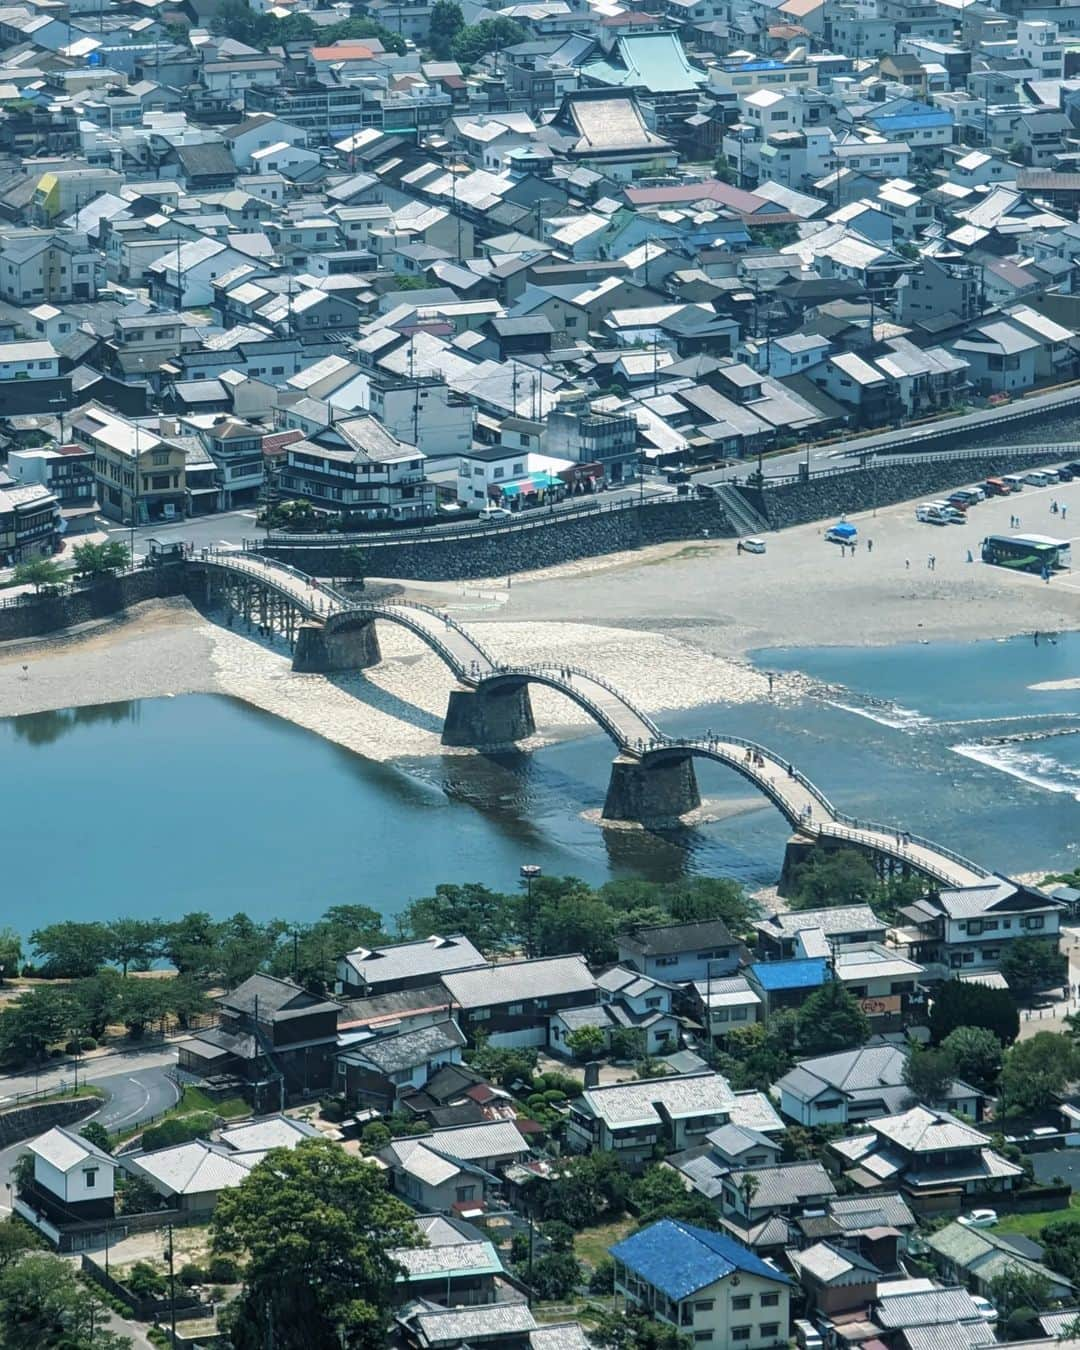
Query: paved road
(136, 1097)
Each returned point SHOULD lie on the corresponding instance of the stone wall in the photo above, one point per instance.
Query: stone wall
(501, 553)
(828, 497)
(50, 614)
(25, 1122)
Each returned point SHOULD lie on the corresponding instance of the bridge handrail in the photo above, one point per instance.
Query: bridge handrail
(385, 606)
(551, 668)
(918, 840)
(705, 743)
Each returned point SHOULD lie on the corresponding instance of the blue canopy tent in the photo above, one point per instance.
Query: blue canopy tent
(842, 533)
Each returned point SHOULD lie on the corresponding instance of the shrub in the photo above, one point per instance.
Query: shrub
(559, 1234)
(553, 1095)
(602, 1280)
(333, 1108)
(145, 1281)
(191, 1274)
(223, 1269)
(178, 1130)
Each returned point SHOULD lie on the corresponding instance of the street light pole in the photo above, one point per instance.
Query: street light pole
(529, 873)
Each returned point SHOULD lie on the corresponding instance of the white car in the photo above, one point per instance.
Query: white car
(494, 513)
(979, 1218)
(753, 545)
(985, 1308)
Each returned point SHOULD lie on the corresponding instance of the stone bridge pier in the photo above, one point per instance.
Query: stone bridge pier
(322, 648)
(489, 716)
(654, 790)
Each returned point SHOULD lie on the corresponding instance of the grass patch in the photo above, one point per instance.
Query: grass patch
(1031, 1225)
(192, 1101)
(591, 1245)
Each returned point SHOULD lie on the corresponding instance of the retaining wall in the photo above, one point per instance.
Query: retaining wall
(827, 497)
(464, 558)
(51, 613)
(24, 1122)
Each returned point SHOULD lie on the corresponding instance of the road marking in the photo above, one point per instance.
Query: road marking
(132, 1114)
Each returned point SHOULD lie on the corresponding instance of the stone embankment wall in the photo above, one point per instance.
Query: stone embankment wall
(25, 1122)
(50, 614)
(827, 497)
(495, 554)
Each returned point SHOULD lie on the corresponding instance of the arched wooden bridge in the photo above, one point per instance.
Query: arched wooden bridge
(653, 777)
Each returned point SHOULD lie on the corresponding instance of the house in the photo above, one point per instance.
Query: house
(74, 1180)
(846, 923)
(939, 1163)
(500, 1326)
(183, 276)
(835, 1280)
(632, 1119)
(380, 1071)
(366, 972)
(606, 130)
(724, 1005)
(877, 1226)
(706, 1285)
(969, 929)
(140, 475)
(360, 470)
(1002, 356)
(30, 523)
(256, 133)
(453, 1170)
(975, 1258)
(927, 1315)
(275, 1037)
(511, 1003)
(191, 1177)
(883, 982)
(67, 471)
(628, 1002)
(40, 265)
(786, 984)
(681, 952)
(457, 1267)
(854, 1085)
(749, 1195)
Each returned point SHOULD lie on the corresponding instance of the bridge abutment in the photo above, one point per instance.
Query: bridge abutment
(798, 850)
(321, 652)
(647, 793)
(481, 717)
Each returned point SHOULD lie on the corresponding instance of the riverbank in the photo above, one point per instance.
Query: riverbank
(395, 710)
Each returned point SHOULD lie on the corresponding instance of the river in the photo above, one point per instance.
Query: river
(162, 806)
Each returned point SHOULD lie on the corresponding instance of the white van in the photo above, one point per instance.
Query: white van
(930, 513)
(1041, 477)
(1015, 481)
(807, 1336)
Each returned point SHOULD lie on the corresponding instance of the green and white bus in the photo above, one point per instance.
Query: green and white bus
(1036, 553)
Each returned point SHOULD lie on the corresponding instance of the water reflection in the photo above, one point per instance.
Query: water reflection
(46, 727)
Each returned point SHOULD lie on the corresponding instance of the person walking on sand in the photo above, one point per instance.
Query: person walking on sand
(907, 564)
(869, 546)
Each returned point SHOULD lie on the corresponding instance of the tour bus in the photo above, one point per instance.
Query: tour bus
(1027, 552)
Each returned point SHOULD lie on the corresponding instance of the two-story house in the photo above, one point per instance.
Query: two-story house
(277, 1037)
(633, 1119)
(359, 469)
(937, 1161)
(367, 972)
(628, 1001)
(73, 1179)
(511, 1003)
(379, 1072)
(750, 1194)
(29, 523)
(453, 1170)
(969, 929)
(140, 475)
(706, 1285)
(777, 934)
(681, 952)
(724, 1005)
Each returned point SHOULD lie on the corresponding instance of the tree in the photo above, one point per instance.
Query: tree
(186, 1001)
(95, 1133)
(1036, 1070)
(959, 1004)
(1017, 1288)
(1061, 1248)
(632, 1329)
(831, 1020)
(16, 1238)
(504, 1066)
(242, 947)
(317, 1225)
(576, 922)
(191, 943)
(141, 1003)
(627, 1043)
(311, 957)
(660, 1193)
(43, 1305)
(38, 1019)
(69, 950)
(976, 1052)
(490, 35)
(555, 1276)
(831, 877)
(928, 1073)
(97, 1002)
(587, 1189)
(585, 1042)
(100, 560)
(447, 21)
(41, 573)
(1031, 965)
(755, 1057)
(10, 953)
(487, 918)
(133, 942)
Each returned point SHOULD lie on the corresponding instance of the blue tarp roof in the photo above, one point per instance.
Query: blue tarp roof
(806, 973)
(842, 527)
(679, 1259)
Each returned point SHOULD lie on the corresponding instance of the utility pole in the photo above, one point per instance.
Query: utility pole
(172, 1286)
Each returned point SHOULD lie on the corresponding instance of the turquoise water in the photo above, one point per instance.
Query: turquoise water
(202, 802)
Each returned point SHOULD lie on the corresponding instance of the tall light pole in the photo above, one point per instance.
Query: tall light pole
(529, 873)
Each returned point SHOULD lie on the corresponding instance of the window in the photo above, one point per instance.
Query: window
(515, 1009)
(740, 1333)
(90, 1177)
(1036, 921)
(740, 1302)
(769, 1329)
(465, 1193)
(702, 1336)
(705, 1305)
(161, 457)
(738, 1014)
(769, 1301)
(481, 1014)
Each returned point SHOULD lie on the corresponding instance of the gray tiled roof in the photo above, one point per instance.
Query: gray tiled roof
(842, 919)
(407, 1049)
(515, 981)
(457, 1326)
(788, 1184)
(467, 1142)
(407, 960)
(626, 1104)
(938, 1307)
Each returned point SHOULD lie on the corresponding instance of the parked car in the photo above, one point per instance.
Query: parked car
(1066, 474)
(986, 1309)
(979, 1218)
(1040, 477)
(997, 487)
(930, 514)
(494, 513)
(1074, 467)
(753, 545)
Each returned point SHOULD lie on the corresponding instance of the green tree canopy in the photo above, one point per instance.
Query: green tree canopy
(487, 918)
(41, 1017)
(585, 1042)
(446, 22)
(831, 1020)
(586, 1189)
(659, 1193)
(490, 35)
(755, 1057)
(829, 877)
(100, 560)
(1032, 964)
(929, 1072)
(44, 1306)
(10, 954)
(631, 1329)
(41, 573)
(68, 950)
(976, 1052)
(959, 1004)
(316, 1225)
(133, 942)
(555, 1276)
(1036, 1070)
